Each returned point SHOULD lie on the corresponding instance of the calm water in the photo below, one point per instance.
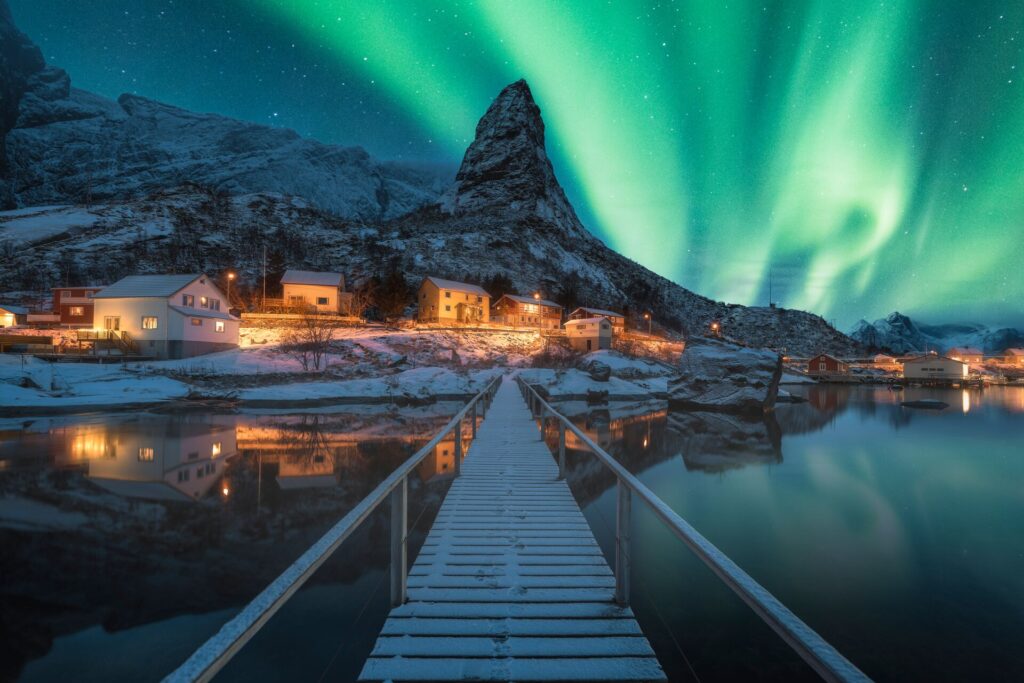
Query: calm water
(896, 533)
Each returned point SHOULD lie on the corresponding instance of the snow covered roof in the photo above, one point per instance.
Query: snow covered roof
(16, 310)
(310, 277)
(1015, 352)
(202, 313)
(930, 357)
(598, 312)
(456, 286)
(529, 300)
(583, 321)
(137, 286)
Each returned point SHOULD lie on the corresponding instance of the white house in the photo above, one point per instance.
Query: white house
(589, 334)
(967, 354)
(166, 316)
(933, 367)
(324, 292)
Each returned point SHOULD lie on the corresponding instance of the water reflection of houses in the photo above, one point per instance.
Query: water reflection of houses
(153, 458)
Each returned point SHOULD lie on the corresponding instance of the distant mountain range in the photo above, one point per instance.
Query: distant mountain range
(154, 188)
(899, 334)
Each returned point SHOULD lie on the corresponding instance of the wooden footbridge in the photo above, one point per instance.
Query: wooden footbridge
(510, 584)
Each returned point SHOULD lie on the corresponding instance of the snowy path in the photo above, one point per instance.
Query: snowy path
(510, 583)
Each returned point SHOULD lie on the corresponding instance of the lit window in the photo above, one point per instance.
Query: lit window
(149, 322)
(321, 301)
(218, 326)
(76, 310)
(197, 322)
(146, 454)
(215, 449)
(188, 300)
(204, 302)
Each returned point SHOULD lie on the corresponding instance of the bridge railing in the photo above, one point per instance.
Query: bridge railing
(812, 648)
(211, 657)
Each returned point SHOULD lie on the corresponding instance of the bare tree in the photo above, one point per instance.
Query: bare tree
(308, 341)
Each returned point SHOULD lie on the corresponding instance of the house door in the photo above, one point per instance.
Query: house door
(112, 322)
(590, 345)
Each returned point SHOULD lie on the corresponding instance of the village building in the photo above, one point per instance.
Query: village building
(589, 334)
(617, 320)
(165, 316)
(524, 311)
(933, 367)
(73, 306)
(439, 300)
(10, 316)
(1014, 357)
(824, 365)
(885, 362)
(967, 354)
(322, 292)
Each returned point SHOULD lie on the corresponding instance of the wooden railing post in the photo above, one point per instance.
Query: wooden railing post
(561, 449)
(543, 418)
(622, 522)
(399, 547)
(458, 448)
(473, 420)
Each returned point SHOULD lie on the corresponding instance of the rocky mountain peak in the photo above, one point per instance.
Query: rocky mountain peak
(19, 60)
(507, 168)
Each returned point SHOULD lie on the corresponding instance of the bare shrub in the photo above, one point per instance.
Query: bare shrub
(308, 341)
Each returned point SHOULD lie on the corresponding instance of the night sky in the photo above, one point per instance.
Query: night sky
(863, 157)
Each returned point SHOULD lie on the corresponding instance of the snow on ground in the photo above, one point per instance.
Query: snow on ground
(34, 224)
(575, 384)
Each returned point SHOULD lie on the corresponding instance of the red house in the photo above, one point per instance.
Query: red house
(74, 305)
(824, 365)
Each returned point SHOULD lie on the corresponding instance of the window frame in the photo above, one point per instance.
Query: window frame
(150, 322)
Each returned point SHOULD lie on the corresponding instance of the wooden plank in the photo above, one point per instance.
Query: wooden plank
(421, 626)
(513, 646)
(547, 669)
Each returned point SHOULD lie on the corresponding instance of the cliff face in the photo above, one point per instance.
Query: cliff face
(19, 60)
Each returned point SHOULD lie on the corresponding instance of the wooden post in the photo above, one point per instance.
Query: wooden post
(622, 522)
(473, 418)
(561, 449)
(399, 567)
(458, 448)
(543, 413)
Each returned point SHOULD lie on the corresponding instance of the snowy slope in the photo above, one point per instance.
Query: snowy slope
(899, 334)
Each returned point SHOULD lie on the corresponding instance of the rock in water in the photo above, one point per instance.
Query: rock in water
(598, 371)
(721, 376)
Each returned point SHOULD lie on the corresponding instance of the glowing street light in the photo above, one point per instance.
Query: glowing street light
(647, 317)
(540, 315)
(231, 276)
(716, 329)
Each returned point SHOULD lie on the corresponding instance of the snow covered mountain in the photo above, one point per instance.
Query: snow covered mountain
(899, 334)
(65, 145)
(146, 187)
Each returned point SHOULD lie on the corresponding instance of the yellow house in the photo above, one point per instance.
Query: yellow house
(448, 301)
(323, 292)
(1014, 357)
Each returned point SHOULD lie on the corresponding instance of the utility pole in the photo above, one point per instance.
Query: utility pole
(263, 308)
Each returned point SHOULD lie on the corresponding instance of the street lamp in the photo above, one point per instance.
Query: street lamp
(231, 276)
(647, 317)
(715, 328)
(540, 316)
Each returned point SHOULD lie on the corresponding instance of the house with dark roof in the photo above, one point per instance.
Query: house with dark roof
(311, 290)
(617, 320)
(165, 316)
(448, 301)
(526, 311)
(967, 354)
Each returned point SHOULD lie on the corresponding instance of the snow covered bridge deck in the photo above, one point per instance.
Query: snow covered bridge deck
(510, 583)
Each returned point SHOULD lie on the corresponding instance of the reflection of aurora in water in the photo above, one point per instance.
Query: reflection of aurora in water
(893, 532)
(870, 152)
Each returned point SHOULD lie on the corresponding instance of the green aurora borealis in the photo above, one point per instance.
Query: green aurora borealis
(865, 156)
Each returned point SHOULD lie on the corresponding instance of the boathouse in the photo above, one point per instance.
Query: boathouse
(525, 311)
(935, 368)
(824, 365)
(439, 300)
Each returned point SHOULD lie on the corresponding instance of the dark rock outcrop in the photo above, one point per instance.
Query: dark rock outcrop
(716, 375)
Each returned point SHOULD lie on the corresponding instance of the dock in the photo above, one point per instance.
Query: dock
(510, 583)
